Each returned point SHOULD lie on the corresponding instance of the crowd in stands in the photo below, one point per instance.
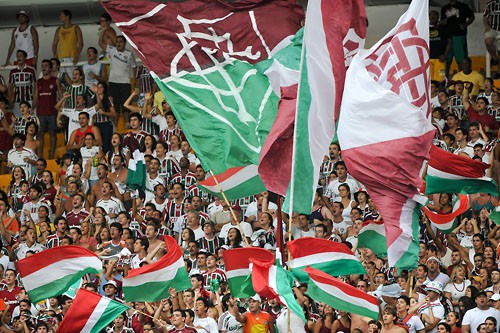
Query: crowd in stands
(87, 202)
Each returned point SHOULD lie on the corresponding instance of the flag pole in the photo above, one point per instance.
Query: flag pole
(230, 209)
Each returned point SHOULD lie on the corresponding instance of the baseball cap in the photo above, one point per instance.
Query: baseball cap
(256, 297)
(477, 279)
(495, 297)
(435, 286)
(434, 258)
(22, 12)
(111, 282)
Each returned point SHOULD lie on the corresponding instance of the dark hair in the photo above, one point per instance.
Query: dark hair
(474, 124)
(446, 326)
(238, 239)
(484, 99)
(93, 49)
(122, 37)
(117, 226)
(205, 301)
(67, 12)
(28, 104)
(32, 123)
(23, 52)
(106, 16)
(136, 115)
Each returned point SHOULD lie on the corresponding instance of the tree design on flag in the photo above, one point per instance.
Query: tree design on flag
(230, 91)
(401, 62)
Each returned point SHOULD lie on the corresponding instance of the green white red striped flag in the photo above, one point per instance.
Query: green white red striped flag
(90, 313)
(51, 272)
(450, 173)
(330, 257)
(448, 222)
(372, 236)
(151, 283)
(237, 263)
(333, 29)
(236, 182)
(274, 282)
(339, 295)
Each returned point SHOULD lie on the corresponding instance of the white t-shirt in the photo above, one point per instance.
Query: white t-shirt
(228, 323)
(89, 153)
(456, 290)
(73, 114)
(96, 68)
(209, 325)
(121, 64)
(296, 323)
(113, 205)
(332, 191)
(437, 311)
(475, 317)
(245, 226)
(414, 324)
(253, 210)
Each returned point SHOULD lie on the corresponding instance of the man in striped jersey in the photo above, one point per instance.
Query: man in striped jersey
(167, 124)
(491, 23)
(212, 272)
(22, 81)
(55, 239)
(168, 165)
(19, 124)
(185, 177)
(135, 129)
(328, 166)
(210, 242)
(153, 178)
(175, 208)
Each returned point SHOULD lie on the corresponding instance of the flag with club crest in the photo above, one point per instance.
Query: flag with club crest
(208, 72)
(384, 128)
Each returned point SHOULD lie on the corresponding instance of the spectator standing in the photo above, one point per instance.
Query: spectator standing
(20, 155)
(21, 82)
(68, 41)
(48, 88)
(439, 46)
(457, 16)
(122, 70)
(107, 35)
(24, 37)
(474, 317)
(93, 71)
(491, 22)
(6, 118)
(468, 75)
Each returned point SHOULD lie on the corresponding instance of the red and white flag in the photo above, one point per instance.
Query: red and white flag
(384, 123)
(90, 313)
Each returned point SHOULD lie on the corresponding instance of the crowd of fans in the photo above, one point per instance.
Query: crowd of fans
(456, 287)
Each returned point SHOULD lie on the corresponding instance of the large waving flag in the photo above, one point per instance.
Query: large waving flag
(450, 173)
(333, 29)
(331, 26)
(274, 282)
(330, 257)
(339, 295)
(90, 313)
(224, 105)
(237, 263)
(51, 272)
(448, 222)
(387, 89)
(372, 236)
(151, 283)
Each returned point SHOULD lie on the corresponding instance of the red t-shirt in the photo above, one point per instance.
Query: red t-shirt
(483, 119)
(5, 137)
(47, 96)
(10, 297)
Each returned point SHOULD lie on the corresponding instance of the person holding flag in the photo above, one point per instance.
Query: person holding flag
(254, 319)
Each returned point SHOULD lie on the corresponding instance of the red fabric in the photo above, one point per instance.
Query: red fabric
(47, 96)
(165, 26)
(485, 120)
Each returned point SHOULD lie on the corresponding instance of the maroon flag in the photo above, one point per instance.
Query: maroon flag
(176, 36)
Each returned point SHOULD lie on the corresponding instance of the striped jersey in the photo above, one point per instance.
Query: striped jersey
(173, 212)
(492, 14)
(23, 81)
(102, 118)
(457, 106)
(53, 241)
(168, 168)
(139, 136)
(188, 180)
(75, 90)
(20, 123)
(195, 190)
(208, 277)
(211, 245)
(144, 79)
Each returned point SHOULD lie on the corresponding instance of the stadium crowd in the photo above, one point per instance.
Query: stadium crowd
(456, 287)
